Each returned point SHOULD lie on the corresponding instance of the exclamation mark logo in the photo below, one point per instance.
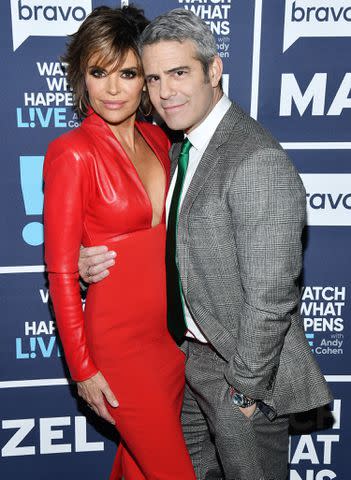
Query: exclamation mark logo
(32, 117)
(310, 338)
(31, 172)
(32, 342)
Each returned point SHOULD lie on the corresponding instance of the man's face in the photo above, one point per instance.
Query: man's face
(178, 88)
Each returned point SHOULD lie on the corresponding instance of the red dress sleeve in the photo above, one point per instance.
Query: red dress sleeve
(66, 192)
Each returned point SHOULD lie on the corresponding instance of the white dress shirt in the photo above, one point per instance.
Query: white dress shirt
(200, 138)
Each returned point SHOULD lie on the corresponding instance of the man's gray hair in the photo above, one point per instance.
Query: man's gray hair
(181, 25)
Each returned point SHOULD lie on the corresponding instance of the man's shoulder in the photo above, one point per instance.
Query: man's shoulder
(245, 145)
(244, 129)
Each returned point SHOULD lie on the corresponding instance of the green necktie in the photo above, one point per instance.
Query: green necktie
(175, 313)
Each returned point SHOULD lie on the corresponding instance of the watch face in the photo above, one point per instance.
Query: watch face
(238, 399)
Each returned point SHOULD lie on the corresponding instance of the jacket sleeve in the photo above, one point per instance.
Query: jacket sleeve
(267, 200)
(66, 191)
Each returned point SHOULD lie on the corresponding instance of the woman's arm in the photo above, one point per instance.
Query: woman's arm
(66, 194)
(66, 191)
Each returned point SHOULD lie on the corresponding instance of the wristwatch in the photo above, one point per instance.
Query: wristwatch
(240, 399)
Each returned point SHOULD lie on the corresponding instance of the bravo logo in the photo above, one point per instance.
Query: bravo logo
(316, 18)
(328, 198)
(45, 18)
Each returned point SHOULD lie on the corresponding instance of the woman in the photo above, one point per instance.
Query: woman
(106, 182)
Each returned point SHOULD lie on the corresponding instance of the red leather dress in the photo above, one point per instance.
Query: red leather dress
(94, 196)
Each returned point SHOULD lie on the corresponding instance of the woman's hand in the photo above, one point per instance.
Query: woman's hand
(93, 392)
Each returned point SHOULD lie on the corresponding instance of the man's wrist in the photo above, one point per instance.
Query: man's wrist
(240, 399)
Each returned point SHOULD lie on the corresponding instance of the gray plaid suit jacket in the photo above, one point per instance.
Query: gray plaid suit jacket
(240, 257)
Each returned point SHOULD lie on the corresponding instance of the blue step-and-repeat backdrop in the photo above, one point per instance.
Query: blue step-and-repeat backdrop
(286, 62)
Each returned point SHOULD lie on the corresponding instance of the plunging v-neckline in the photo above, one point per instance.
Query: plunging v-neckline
(139, 180)
(139, 126)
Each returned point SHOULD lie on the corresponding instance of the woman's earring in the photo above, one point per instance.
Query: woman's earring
(145, 103)
(146, 114)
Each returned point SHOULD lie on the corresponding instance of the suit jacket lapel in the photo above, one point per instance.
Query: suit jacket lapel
(205, 168)
(174, 154)
(210, 156)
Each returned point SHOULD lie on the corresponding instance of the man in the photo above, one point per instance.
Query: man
(237, 233)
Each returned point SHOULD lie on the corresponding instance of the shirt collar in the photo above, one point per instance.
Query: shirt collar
(201, 135)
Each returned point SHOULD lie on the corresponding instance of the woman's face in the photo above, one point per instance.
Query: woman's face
(115, 94)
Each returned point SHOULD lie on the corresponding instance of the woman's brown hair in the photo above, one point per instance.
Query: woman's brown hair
(108, 33)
